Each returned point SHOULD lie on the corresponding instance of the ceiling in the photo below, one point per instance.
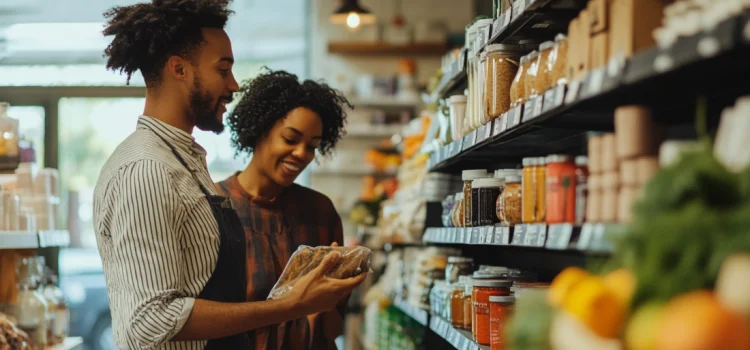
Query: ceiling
(259, 29)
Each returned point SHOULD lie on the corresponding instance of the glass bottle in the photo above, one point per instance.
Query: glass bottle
(57, 306)
(32, 306)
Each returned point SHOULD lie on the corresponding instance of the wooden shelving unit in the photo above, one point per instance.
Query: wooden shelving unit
(381, 48)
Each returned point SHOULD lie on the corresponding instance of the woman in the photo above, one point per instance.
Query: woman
(282, 123)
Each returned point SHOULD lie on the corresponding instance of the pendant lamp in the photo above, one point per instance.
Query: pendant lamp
(352, 14)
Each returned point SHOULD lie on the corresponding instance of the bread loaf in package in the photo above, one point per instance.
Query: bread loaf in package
(353, 261)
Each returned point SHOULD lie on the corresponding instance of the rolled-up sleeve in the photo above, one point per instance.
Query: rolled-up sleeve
(146, 263)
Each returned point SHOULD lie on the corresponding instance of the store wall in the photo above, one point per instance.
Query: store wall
(341, 69)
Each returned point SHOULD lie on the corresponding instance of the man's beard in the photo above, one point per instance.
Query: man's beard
(206, 115)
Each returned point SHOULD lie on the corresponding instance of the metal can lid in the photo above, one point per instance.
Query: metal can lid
(557, 158)
(529, 161)
(546, 45)
(492, 283)
(459, 259)
(513, 179)
(467, 175)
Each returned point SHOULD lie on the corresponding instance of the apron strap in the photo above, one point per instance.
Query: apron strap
(182, 161)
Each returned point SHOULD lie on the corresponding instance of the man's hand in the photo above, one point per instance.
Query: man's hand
(317, 292)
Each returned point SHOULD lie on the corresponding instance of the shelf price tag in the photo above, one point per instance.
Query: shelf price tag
(594, 82)
(507, 17)
(497, 26)
(497, 128)
(482, 235)
(488, 130)
(489, 234)
(558, 236)
(518, 8)
(514, 117)
(482, 133)
(461, 237)
(475, 235)
(587, 234)
(535, 235)
(519, 235)
(467, 344)
(502, 235)
(573, 89)
(528, 109)
(597, 242)
(554, 98)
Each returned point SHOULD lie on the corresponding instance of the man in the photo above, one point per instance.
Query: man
(173, 251)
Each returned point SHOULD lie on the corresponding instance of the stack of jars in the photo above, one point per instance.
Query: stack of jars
(539, 71)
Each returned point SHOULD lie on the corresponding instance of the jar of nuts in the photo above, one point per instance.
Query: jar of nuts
(558, 59)
(512, 201)
(501, 68)
(529, 85)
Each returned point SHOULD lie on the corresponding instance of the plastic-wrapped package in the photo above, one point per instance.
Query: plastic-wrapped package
(353, 261)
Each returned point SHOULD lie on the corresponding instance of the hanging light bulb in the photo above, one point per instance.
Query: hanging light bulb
(352, 14)
(352, 20)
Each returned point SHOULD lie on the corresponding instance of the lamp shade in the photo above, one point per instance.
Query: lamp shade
(349, 7)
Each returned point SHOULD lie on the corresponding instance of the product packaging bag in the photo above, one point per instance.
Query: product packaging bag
(353, 261)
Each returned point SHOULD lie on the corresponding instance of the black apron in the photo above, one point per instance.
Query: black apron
(228, 283)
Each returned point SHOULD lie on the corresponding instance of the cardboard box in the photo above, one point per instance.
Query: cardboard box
(632, 23)
(579, 41)
(598, 11)
(599, 50)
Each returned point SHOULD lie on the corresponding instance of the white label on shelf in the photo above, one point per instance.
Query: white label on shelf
(519, 235)
(475, 232)
(508, 15)
(708, 46)
(663, 63)
(559, 236)
(573, 89)
(587, 233)
(595, 82)
(550, 97)
(559, 95)
(538, 105)
(489, 236)
(518, 8)
(599, 240)
(488, 130)
(531, 235)
(497, 127)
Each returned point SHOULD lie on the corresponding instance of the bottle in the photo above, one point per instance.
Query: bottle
(61, 321)
(32, 306)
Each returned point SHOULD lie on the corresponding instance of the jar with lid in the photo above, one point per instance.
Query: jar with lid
(31, 305)
(450, 291)
(489, 190)
(561, 189)
(530, 84)
(501, 308)
(517, 87)
(540, 175)
(543, 75)
(502, 66)
(475, 201)
(512, 201)
(481, 292)
(582, 175)
(528, 182)
(457, 107)
(457, 305)
(448, 203)
(457, 215)
(458, 266)
(560, 60)
(482, 86)
(468, 176)
(467, 305)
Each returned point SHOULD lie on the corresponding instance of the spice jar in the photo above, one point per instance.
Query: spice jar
(582, 175)
(489, 190)
(481, 292)
(561, 189)
(481, 85)
(502, 66)
(501, 308)
(540, 175)
(457, 305)
(517, 87)
(458, 266)
(543, 74)
(512, 201)
(529, 185)
(529, 85)
(558, 60)
(468, 320)
(468, 176)
(448, 203)
(457, 215)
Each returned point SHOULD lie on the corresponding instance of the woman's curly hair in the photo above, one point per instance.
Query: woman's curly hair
(147, 34)
(270, 96)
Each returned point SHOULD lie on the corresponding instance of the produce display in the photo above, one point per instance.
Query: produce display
(353, 261)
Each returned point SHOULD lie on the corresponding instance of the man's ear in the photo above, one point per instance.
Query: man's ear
(177, 68)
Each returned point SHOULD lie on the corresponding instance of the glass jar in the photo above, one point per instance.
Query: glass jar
(517, 87)
(448, 203)
(502, 66)
(468, 176)
(488, 193)
(528, 183)
(467, 306)
(31, 305)
(543, 75)
(458, 266)
(475, 201)
(501, 308)
(457, 305)
(62, 313)
(512, 201)
(529, 84)
(482, 81)
(481, 292)
(458, 211)
(520, 288)
(561, 189)
(457, 107)
(561, 60)
(582, 176)
(540, 175)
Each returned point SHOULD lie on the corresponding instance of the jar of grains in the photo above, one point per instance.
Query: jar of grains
(529, 85)
(457, 215)
(502, 66)
(468, 176)
(528, 183)
(560, 61)
(561, 189)
(517, 89)
(512, 201)
(543, 75)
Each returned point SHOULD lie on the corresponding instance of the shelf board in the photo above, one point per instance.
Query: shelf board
(351, 172)
(372, 131)
(70, 343)
(458, 338)
(30, 240)
(418, 314)
(666, 80)
(381, 48)
(384, 102)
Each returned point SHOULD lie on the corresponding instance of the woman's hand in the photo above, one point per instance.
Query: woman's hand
(316, 292)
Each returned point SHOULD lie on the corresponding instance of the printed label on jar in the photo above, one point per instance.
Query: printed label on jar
(481, 308)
